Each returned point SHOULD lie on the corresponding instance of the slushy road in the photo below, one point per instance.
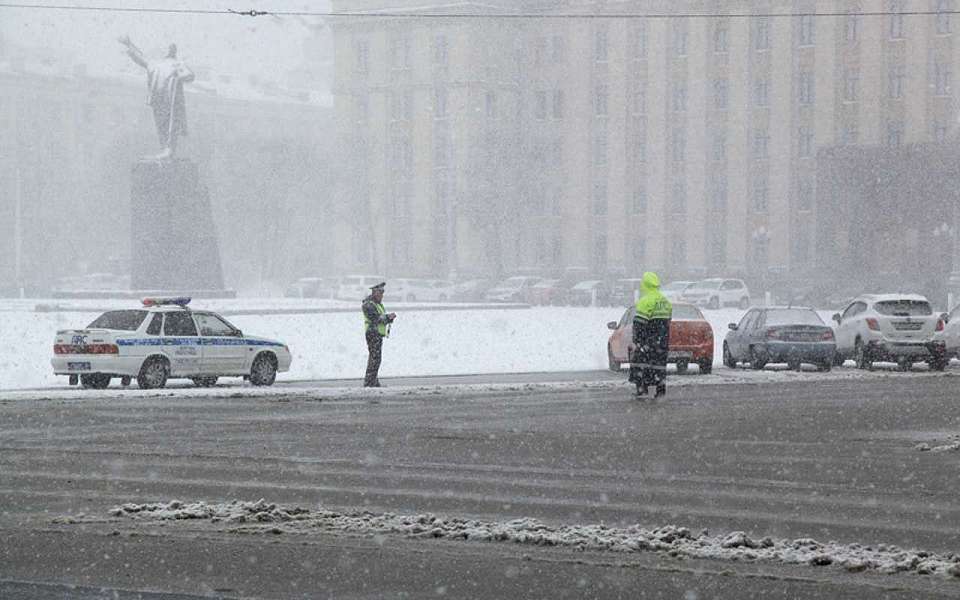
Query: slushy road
(827, 459)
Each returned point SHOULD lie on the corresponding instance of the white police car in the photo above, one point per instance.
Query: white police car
(165, 340)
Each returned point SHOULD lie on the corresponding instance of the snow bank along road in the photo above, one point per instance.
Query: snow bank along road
(806, 489)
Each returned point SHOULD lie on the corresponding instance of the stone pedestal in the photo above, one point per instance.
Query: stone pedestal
(173, 238)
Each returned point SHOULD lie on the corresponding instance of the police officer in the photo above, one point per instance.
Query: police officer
(651, 337)
(376, 324)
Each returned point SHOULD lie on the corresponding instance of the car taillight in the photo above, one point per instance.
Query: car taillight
(773, 334)
(873, 324)
(939, 324)
(827, 336)
(86, 349)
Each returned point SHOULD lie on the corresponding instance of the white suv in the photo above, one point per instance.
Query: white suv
(715, 293)
(898, 328)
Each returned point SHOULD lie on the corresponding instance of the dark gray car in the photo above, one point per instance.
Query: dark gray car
(780, 335)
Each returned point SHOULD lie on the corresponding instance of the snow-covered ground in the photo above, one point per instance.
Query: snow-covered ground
(423, 342)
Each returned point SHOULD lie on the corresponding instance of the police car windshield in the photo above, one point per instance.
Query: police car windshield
(903, 308)
(123, 320)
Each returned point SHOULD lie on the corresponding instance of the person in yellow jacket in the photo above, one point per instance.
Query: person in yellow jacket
(376, 325)
(651, 337)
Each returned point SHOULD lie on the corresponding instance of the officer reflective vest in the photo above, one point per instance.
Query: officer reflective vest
(383, 328)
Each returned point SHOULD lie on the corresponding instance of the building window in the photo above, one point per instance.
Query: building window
(363, 108)
(894, 133)
(941, 74)
(720, 93)
(557, 49)
(849, 135)
(639, 205)
(805, 142)
(441, 50)
(761, 144)
(600, 252)
(718, 195)
(678, 144)
(441, 151)
(806, 32)
(718, 246)
(805, 88)
(439, 103)
(939, 131)
(720, 34)
(851, 30)
(400, 53)
(641, 143)
(944, 8)
(540, 105)
(896, 19)
(600, 199)
(761, 251)
(557, 104)
(556, 153)
(539, 51)
(638, 251)
(638, 42)
(801, 246)
(679, 97)
(804, 195)
(600, 45)
(851, 85)
(401, 106)
(761, 92)
(363, 57)
(490, 104)
(639, 103)
(600, 100)
(761, 40)
(896, 78)
(679, 37)
(761, 193)
(720, 145)
(600, 149)
(678, 198)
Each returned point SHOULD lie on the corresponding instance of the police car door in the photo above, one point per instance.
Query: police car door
(224, 350)
(181, 343)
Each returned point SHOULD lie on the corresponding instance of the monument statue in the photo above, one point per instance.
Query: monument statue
(165, 79)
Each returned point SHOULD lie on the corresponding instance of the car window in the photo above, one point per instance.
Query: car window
(179, 323)
(759, 320)
(851, 311)
(213, 325)
(955, 312)
(904, 308)
(747, 320)
(122, 320)
(686, 311)
(727, 285)
(793, 316)
(155, 324)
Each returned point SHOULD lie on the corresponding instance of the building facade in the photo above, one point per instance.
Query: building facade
(623, 136)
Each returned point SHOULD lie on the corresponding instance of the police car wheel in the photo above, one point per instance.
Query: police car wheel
(264, 370)
(153, 374)
(204, 381)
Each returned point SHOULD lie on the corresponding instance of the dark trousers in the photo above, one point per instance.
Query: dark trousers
(375, 351)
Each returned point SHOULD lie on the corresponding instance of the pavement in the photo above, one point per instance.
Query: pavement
(832, 460)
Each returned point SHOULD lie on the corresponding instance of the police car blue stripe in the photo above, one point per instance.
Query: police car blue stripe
(195, 341)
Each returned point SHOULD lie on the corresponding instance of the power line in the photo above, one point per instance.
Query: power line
(453, 15)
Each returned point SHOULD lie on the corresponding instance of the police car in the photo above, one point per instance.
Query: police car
(165, 340)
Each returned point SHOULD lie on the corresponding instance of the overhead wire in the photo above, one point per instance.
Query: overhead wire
(387, 14)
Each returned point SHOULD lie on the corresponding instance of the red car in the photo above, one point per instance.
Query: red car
(691, 339)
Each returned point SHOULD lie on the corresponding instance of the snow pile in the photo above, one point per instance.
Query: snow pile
(951, 447)
(668, 539)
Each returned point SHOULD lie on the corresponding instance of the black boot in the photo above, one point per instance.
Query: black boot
(661, 390)
(642, 390)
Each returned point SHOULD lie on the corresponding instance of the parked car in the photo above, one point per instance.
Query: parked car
(544, 292)
(421, 290)
(900, 328)
(716, 293)
(511, 289)
(691, 339)
(594, 292)
(313, 287)
(357, 287)
(674, 290)
(950, 335)
(626, 291)
(789, 335)
(471, 290)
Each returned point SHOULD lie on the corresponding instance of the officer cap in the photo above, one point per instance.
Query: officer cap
(380, 286)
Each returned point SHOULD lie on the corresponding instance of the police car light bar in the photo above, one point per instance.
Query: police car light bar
(182, 302)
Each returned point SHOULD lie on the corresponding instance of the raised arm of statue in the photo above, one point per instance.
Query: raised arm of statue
(184, 74)
(133, 52)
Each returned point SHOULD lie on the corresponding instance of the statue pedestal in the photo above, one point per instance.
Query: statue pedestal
(173, 239)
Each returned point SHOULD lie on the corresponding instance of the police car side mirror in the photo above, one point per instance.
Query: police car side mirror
(733, 326)
(237, 333)
(836, 317)
(612, 325)
(945, 318)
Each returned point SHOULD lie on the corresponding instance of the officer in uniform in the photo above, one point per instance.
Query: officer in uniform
(376, 324)
(651, 337)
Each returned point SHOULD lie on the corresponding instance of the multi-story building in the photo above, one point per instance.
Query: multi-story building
(623, 136)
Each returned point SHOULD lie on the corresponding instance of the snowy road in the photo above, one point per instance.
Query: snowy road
(832, 459)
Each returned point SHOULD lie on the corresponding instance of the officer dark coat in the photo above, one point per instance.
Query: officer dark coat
(651, 335)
